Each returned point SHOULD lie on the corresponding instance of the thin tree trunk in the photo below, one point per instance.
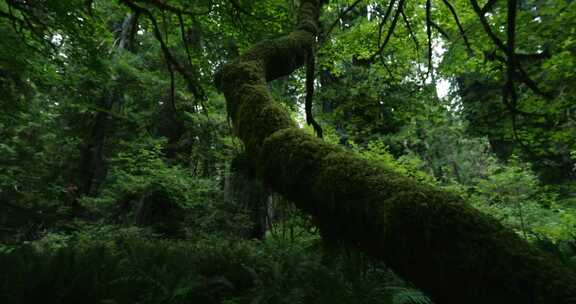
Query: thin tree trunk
(248, 192)
(429, 236)
(93, 167)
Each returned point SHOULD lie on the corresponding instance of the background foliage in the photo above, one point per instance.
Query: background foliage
(121, 180)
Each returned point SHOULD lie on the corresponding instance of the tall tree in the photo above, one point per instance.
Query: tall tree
(92, 165)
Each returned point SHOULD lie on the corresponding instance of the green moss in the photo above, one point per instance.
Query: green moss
(430, 236)
(231, 76)
(283, 55)
(290, 159)
(308, 16)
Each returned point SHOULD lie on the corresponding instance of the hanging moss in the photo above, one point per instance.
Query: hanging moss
(430, 236)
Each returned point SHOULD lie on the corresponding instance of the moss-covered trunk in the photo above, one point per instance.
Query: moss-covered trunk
(429, 236)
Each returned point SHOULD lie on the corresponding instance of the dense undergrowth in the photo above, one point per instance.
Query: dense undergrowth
(123, 266)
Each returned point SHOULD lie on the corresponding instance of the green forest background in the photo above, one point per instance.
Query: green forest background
(121, 179)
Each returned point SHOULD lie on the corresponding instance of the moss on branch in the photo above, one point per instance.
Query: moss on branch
(430, 236)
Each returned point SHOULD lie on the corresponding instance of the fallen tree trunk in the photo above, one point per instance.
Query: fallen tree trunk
(429, 236)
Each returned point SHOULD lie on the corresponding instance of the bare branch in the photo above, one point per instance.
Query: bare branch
(410, 31)
(310, 68)
(183, 36)
(457, 20)
(193, 86)
(385, 19)
(429, 25)
(486, 26)
(390, 31)
(511, 56)
(342, 14)
(439, 29)
(489, 6)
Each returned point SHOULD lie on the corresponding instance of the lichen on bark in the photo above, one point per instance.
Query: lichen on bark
(431, 237)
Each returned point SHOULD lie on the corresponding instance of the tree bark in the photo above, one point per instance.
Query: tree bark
(249, 193)
(429, 236)
(93, 168)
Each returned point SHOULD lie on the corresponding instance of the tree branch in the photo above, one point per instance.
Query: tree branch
(486, 26)
(515, 64)
(429, 236)
(193, 86)
(310, 75)
(390, 30)
(460, 28)
(340, 16)
(409, 28)
(429, 25)
(439, 29)
(488, 6)
(178, 11)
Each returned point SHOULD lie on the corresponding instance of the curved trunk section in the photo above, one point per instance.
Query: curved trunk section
(429, 236)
